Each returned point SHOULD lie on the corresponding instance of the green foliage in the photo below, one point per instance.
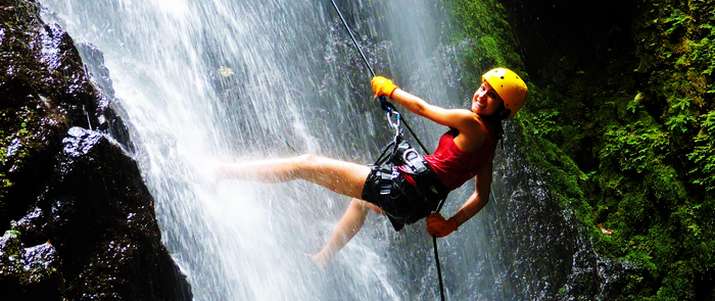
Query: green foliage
(703, 155)
(675, 284)
(624, 147)
(663, 184)
(680, 118)
(642, 260)
(544, 123)
(641, 166)
(489, 47)
(676, 22)
(12, 233)
(655, 175)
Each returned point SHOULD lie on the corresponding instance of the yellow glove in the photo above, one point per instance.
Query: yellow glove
(383, 86)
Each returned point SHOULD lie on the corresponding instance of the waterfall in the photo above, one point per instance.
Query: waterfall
(200, 81)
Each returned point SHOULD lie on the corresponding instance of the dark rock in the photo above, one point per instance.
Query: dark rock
(31, 226)
(108, 117)
(94, 60)
(10, 255)
(40, 262)
(69, 191)
(28, 273)
(44, 89)
(112, 208)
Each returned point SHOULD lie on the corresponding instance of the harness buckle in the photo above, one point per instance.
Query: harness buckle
(410, 157)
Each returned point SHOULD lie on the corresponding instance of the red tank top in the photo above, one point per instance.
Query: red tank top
(454, 166)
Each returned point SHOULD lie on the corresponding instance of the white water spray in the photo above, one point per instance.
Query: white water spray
(221, 79)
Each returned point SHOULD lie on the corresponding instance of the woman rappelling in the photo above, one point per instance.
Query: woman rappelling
(409, 186)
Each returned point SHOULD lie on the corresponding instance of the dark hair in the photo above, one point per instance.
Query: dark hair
(493, 121)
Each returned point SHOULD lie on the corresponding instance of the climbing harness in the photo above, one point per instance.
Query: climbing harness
(400, 149)
(400, 153)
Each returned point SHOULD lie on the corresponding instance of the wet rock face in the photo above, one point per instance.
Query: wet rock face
(548, 253)
(539, 242)
(77, 219)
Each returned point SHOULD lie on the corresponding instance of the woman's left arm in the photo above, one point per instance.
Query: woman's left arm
(479, 198)
(439, 227)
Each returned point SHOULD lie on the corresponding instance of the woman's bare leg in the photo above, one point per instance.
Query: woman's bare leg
(339, 176)
(349, 225)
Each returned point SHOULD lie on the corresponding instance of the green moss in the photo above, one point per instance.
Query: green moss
(22, 131)
(631, 149)
(484, 25)
(12, 233)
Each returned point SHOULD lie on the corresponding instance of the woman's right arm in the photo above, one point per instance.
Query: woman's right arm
(456, 118)
(461, 119)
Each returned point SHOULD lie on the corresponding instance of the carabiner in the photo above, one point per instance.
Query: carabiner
(393, 119)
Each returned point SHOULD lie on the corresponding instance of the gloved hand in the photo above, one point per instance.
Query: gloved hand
(437, 226)
(383, 86)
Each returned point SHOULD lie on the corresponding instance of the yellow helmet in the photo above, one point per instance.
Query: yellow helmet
(509, 86)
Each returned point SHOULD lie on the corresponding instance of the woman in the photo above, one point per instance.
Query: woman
(465, 151)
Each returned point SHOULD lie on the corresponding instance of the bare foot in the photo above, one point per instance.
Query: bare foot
(219, 170)
(320, 259)
(204, 175)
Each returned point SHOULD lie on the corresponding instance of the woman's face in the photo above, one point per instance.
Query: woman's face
(485, 100)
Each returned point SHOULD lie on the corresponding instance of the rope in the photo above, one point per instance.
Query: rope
(390, 108)
(345, 23)
(383, 101)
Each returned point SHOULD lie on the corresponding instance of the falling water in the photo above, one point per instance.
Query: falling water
(200, 81)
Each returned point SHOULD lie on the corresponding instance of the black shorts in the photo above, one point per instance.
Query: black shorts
(402, 203)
